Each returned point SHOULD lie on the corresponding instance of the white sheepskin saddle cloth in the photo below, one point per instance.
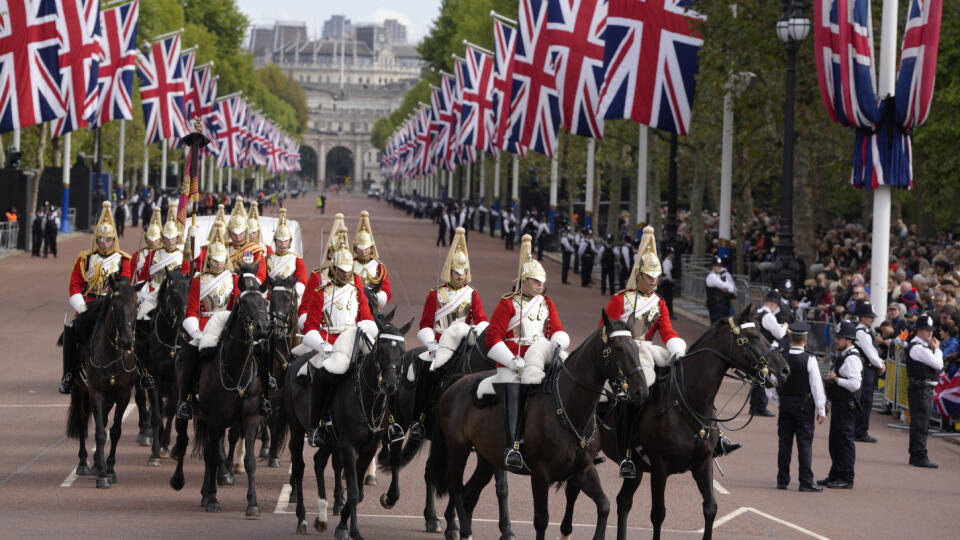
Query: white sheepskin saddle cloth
(536, 359)
(337, 360)
(148, 301)
(213, 329)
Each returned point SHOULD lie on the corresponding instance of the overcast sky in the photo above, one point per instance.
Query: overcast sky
(417, 15)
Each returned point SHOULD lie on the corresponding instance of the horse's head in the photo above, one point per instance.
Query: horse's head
(173, 295)
(619, 359)
(120, 313)
(371, 293)
(252, 311)
(247, 277)
(753, 354)
(283, 304)
(390, 351)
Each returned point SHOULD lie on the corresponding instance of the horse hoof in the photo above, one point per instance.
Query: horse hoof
(451, 535)
(176, 482)
(227, 480)
(341, 534)
(320, 526)
(274, 463)
(204, 501)
(153, 462)
(510, 536)
(302, 528)
(103, 483)
(238, 468)
(433, 526)
(164, 453)
(264, 453)
(213, 506)
(144, 440)
(337, 509)
(113, 477)
(83, 470)
(253, 512)
(293, 498)
(385, 502)
(369, 480)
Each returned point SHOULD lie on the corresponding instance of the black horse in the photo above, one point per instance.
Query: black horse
(560, 429)
(359, 412)
(108, 373)
(229, 389)
(677, 429)
(164, 339)
(283, 316)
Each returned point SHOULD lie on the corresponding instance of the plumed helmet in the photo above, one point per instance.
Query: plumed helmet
(216, 250)
(253, 218)
(647, 261)
(217, 224)
(458, 259)
(221, 214)
(155, 228)
(238, 218)
(106, 228)
(338, 224)
(363, 239)
(171, 228)
(529, 267)
(282, 232)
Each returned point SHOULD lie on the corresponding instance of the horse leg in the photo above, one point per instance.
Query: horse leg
(144, 414)
(348, 519)
(457, 462)
(296, 477)
(500, 477)
(452, 532)
(589, 481)
(320, 458)
(338, 500)
(97, 407)
(82, 469)
(211, 457)
(478, 480)
(390, 498)
(277, 420)
(264, 438)
(120, 406)
(625, 503)
(168, 414)
(571, 491)
(179, 451)
(541, 513)
(658, 510)
(703, 474)
(156, 424)
(432, 524)
(224, 461)
(251, 425)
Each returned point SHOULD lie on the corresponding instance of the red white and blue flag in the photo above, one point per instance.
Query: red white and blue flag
(946, 395)
(230, 114)
(29, 63)
(477, 123)
(918, 62)
(118, 28)
(422, 143)
(80, 55)
(651, 62)
(504, 46)
(440, 123)
(534, 107)
(161, 90)
(844, 55)
(576, 32)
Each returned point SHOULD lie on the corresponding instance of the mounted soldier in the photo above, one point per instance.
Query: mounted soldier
(282, 262)
(151, 239)
(367, 263)
(88, 283)
(170, 257)
(454, 303)
(253, 229)
(212, 294)
(338, 305)
(524, 332)
(242, 250)
(319, 276)
(199, 258)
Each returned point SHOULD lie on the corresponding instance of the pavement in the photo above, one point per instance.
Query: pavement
(40, 498)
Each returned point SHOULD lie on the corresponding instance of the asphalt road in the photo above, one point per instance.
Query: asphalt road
(38, 499)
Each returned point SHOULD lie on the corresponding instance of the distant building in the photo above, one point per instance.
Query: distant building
(396, 32)
(337, 27)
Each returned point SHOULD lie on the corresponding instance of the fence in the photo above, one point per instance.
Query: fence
(8, 235)
(693, 284)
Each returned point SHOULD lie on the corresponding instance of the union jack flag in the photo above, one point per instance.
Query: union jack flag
(29, 63)
(463, 149)
(422, 148)
(80, 55)
(230, 115)
(946, 394)
(256, 127)
(161, 90)
(918, 62)
(651, 63)
(191, 98)
(844, 54)
(115, 75)
(534, 107)
(504, 46)
(451, 115)
(204, 90)
(576, 31)
(478, 122)
(439, 124)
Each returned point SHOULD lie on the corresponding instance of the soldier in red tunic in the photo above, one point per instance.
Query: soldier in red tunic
(367, 263)
(283, 263)
(88, 282)
(523, 322)
(453, 303)
(253, 229)
(242, 250)
(151, 240)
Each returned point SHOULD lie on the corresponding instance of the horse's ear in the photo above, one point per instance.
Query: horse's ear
(745, 315)
(405, 328)
(606, 318)
(389, 316)
(265, 286)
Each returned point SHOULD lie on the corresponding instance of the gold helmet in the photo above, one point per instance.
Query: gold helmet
(647, 261)
(155, 228)
(171, 228)
(338, 223)
(529, 267)
(106, 228)
(216, 250)
(282, 232)
(364, 237)
(457, 260)
(238, 218)
(221, 214)
(217, 224)
(253, 218)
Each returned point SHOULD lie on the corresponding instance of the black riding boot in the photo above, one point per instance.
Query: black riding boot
(69, 344)
(422, 395)
(725, 447)
(512, 410)
(190, 356)
(628, 469)
(322, 387)
(145, 380)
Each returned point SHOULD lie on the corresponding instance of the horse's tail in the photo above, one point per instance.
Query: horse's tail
(78, 416)
(410, 450)
(437, 463)
(279, 427)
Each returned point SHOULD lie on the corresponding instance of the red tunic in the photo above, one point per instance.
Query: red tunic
(193, 302)
(497, 331)
(300, 271)
(78, 283)
(313, 283)
(236, 256)
(474, 316)
(662, 325)
(144, 273)
(315, 313)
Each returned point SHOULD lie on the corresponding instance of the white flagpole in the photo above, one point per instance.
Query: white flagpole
(554, 179)
(120, 151)
(220, 180)
(496, 177)
(230, 179)
(726, 170)
(468, 189)
(163, 164)
(65, 205)
(482, 192)
(588, 195)
(642, 175)
(515, 188)
(16, 139)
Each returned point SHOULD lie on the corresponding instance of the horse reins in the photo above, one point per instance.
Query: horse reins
(251, 344)
(114, 343)
(374, 424)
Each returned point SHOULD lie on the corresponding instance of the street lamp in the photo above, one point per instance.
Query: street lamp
(792, 28)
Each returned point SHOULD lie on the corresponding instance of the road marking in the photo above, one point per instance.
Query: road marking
(32, 460)
(283, 499)
(719, 487)
(39, 405)
(744, 509)
(72, 477)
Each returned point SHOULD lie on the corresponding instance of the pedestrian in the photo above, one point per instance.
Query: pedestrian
(444, 224)
(924, 362)
(509, 222)
(626, 261)
(774, 331)
(667, 280)
(146, 211)
(587, 252)
(720, 291)
(482, 213)
(12, 216)
(873, 369)
(37, 231)
(843, 389)
(577, 239)
(320, 203)
(121, 216)
(566, 246)
(608, 264)
(543, 238)
(801, 399)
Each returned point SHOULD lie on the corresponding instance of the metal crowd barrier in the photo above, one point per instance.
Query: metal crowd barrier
(693, 285)
(8, 235)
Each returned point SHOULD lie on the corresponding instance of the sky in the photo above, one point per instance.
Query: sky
(417, 15)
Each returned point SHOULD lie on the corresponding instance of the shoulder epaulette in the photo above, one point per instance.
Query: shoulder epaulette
(510, 295)
(123, 254)
(82, 256)
(624, 291)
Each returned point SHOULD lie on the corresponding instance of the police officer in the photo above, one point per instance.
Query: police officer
(626, 255)
(608, 265)
(587, 251)
(924, 362)
(566, 244)
(667, 280)
(873, 368)
(843, 389)
(720, 290)
(800, 398)
(774, 331)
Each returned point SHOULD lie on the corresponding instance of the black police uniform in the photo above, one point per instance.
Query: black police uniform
(758, 395)
(867, 387)
(843, 409)
(920, 399)
(798, 407)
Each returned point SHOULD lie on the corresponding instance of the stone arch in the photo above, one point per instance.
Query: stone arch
(340, 164)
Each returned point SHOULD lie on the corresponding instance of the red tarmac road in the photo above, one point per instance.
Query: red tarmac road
(891, 499)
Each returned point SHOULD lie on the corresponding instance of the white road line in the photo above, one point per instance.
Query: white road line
(719, 487)
(72, 477)
(32, 460)
(283, 499)
(744, 509)
(726, 518)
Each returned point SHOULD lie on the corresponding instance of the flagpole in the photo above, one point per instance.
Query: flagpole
(880, 250)
(496, 190)
(554, 176)
(220, 180)
(146, 166)
(65, 204)
(642, 149)
(482, 188)
(230, 179)
(16, 140)
(515, 189)
(588, 195)
(120, 151)
(163, 163)
(468, 189)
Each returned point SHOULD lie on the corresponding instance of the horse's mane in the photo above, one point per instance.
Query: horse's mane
(712, 326)
(617, 324)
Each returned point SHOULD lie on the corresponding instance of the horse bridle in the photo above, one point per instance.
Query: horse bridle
(282, 325)
(375, 423)
(248, 329)
(161, 312)
(115, 342)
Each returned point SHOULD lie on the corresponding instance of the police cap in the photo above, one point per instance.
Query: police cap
(799, 328)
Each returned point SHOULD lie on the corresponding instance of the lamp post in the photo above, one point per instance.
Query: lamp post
(792, 29)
